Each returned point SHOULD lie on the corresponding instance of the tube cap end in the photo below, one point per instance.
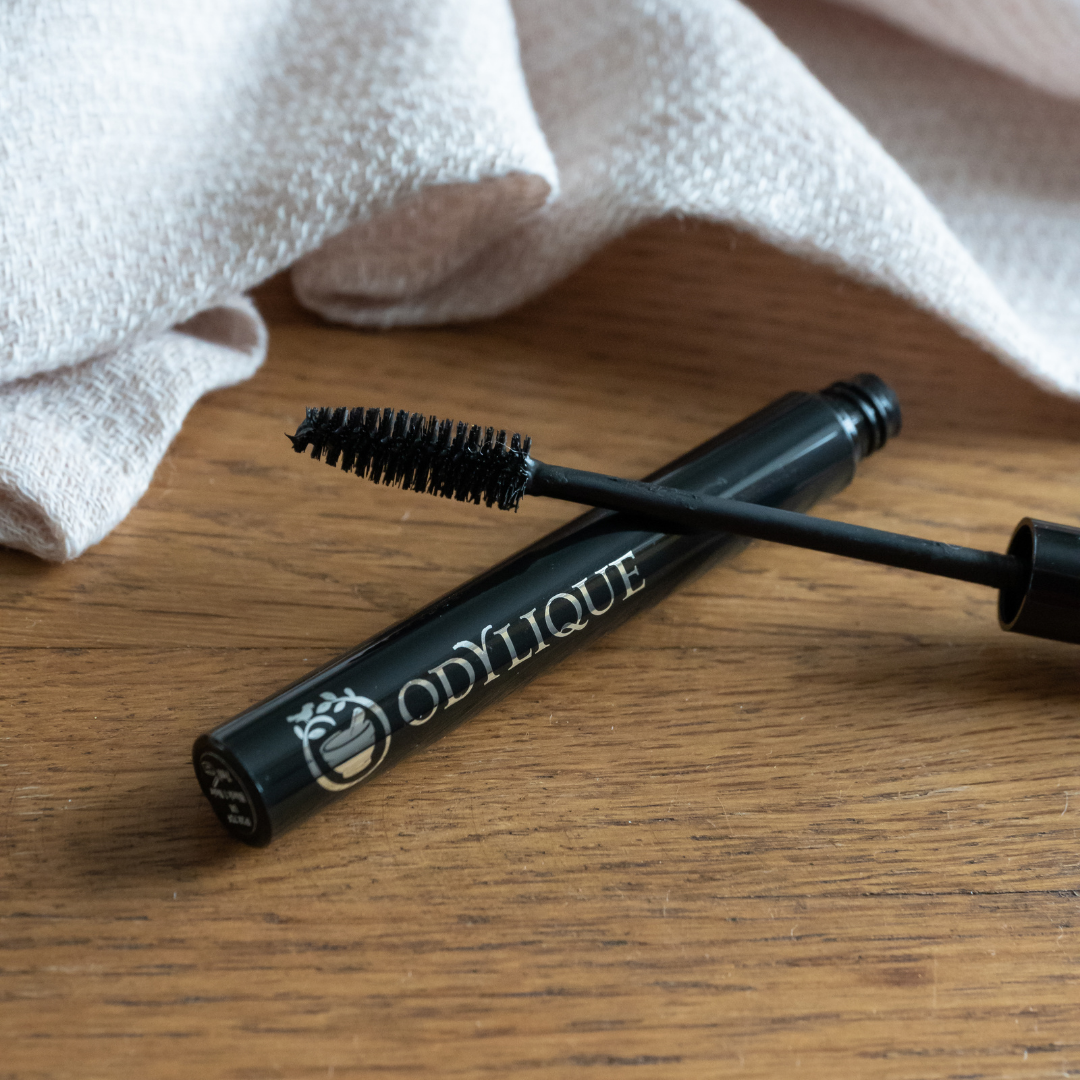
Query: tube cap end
(235, 800)
(1046, 601)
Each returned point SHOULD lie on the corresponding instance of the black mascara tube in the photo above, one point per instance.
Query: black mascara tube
(287, 757)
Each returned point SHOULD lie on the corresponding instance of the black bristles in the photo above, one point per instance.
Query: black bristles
(456, 460)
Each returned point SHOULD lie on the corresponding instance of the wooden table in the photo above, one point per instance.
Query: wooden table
(808, 817)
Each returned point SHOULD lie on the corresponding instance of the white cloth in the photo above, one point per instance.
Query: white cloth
(426, 160)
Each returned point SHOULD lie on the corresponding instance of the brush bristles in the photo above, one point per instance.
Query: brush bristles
(408, 450)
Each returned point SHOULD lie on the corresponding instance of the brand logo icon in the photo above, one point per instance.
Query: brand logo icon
(345, 738)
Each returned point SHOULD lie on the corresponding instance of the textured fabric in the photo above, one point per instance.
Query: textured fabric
(426, 160)
(1035, 40)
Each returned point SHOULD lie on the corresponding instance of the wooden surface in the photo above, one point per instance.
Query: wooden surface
(807, 817)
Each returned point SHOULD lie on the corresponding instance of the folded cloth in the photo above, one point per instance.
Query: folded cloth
(424, 160)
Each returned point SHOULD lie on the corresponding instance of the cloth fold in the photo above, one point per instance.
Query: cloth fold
(417, 161)
(80, 444)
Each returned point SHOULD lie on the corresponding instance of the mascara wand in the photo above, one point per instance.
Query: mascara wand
(1038, 578)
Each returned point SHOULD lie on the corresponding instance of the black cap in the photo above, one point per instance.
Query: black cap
(1045, 601)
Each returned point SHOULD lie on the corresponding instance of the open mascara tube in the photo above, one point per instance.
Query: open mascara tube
(331, 731)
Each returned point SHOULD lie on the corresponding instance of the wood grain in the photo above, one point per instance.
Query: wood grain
(807, 816)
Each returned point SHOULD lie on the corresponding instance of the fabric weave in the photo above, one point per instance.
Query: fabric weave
(418, 161)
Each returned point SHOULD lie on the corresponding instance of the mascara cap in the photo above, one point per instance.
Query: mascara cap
(1045, 601)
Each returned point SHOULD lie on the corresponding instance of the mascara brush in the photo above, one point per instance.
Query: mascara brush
(1038, 578)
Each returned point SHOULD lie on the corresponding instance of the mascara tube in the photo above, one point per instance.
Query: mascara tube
(333, 730)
